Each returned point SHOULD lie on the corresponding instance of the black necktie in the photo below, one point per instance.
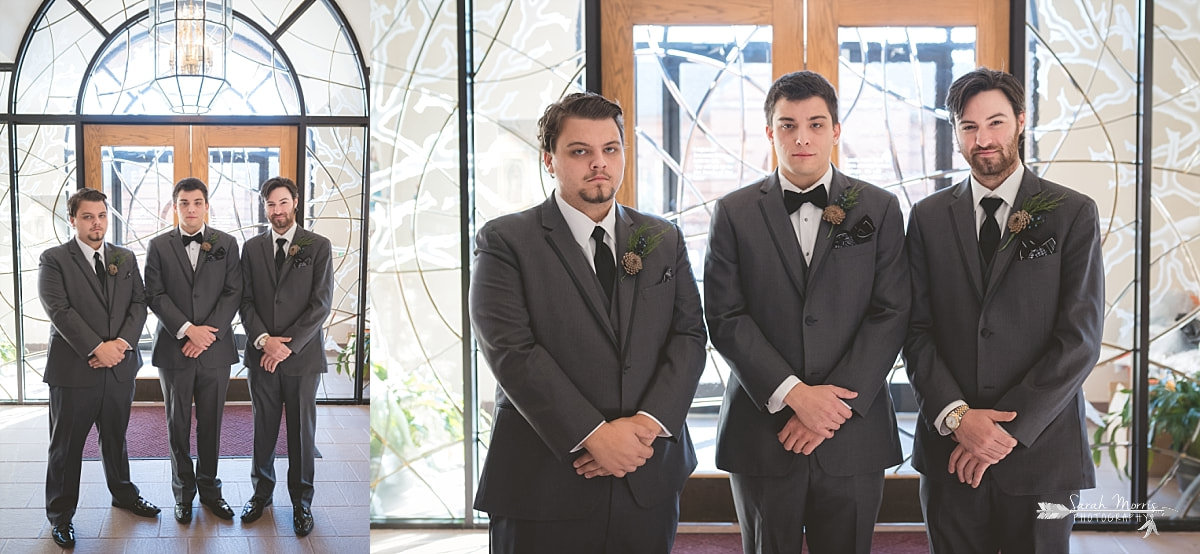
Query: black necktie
(196, 238)
(100, 273)
(989, 232)
(279, 254)
(606, 268)
(817, 197)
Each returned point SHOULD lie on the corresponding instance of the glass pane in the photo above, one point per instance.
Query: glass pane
(1081, 107)
(268, 13)
(5, 76)
(699, 125)
(45, 166)
(325, 63)
(1175, 250)
(414, 290)
(55, 61)
(892, 85)
(9, 367)
(112, 13)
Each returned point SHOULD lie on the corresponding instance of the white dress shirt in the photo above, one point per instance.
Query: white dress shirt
(193, 253)
(287, 236)
(89, 255)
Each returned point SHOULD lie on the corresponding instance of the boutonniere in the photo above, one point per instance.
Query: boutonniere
(835, 213)
(208, 244)
(1031, 214)
(116, 263)
(299, 245)
(641, 244)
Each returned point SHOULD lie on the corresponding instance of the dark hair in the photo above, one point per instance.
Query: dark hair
(276, 182)
(584, 105)
(85, 195)
(801, 85)
(981, 80)
(189, 184)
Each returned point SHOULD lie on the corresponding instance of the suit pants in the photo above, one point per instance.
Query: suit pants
(273, 395)
(207, 386)
(618, 525)
(73, 412)
(962, 520)
(837, 512)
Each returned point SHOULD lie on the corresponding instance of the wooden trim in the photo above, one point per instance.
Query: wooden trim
(907, 13)
(616, 62)
(991, 41)
(704, 12)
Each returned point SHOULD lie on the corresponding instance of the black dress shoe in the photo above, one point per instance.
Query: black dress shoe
(183, 513)
(140, 507)
(218, 508)
(254, 509)
(64, 535)
(302, 521)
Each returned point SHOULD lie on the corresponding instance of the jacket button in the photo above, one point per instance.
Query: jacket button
(810, 320)
(985, 333)
(625, 369)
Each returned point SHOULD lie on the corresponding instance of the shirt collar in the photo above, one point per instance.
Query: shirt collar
(581, 225)
(287, 235)
(200, 232)
(88, 251)
(1007, 190)
(824, 180)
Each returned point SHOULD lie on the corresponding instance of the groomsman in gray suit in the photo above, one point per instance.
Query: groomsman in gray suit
(287, 276)
(1008, 302)
(807, 298)
(194, 286)
(92, 292)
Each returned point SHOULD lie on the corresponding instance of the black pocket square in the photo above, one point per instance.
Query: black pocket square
(1032, 249)
(860, 233)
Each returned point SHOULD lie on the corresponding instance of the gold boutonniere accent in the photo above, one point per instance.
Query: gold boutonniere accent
(299, 245)
(116, 262)
(641, 244)
(835, 213)
(1031, 214)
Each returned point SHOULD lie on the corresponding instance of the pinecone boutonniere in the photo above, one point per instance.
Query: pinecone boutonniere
(1031, 214)
(209, 243)
(299, 245)
(835, 213)
(116, 263)
(641, 244)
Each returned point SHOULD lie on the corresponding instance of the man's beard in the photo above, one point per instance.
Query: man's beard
(997, 165)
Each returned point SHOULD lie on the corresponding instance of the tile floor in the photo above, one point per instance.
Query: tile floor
(339, 507)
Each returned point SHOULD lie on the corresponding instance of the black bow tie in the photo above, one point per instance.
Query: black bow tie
(793, 200)
(196, 238)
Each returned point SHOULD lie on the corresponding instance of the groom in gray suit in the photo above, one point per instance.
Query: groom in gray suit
(287, 294)
(589, 317)
(194, 286)
(92, 292)
(1008, 300)
(807, 298)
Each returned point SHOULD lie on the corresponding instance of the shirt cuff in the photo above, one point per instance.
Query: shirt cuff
(579, 446)
(183, 330)
(776, 402)
(941, 418)
(261, 341)
(662, 429)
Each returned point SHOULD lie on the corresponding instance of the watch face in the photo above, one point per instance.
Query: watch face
(952, 422)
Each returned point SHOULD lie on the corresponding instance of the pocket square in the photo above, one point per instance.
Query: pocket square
(860, 233)
(1032, 249)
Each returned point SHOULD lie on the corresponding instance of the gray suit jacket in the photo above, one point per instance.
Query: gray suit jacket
(80, 319)
(1025, 342)
(293, 303)
(210, 296)
(840, 322)
(564, 362)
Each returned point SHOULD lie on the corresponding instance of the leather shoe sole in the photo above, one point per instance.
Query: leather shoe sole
(218, 507)
(302, 521)
(140, 507)
(183, 513)
(254, 509)
(64, 535)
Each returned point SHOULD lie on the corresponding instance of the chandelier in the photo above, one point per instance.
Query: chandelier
(191, 45)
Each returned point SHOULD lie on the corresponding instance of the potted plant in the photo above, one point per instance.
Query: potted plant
(1174, 425)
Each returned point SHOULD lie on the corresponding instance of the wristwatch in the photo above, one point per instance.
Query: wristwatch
(954, 418)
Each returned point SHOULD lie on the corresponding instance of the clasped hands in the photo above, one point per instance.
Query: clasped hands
(618, 447)
(818, 411)
(108, 354)
(199, 338)
(274, 352)
(981, 444)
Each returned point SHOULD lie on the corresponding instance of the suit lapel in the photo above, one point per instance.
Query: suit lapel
(87, 267)
(201, 256)
(779, 225)
(627, 285)
(1030, 186)
(110, 280)
(824, 242)
(268, 251)
(558, 236)
(180, 254)
(962, 218)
